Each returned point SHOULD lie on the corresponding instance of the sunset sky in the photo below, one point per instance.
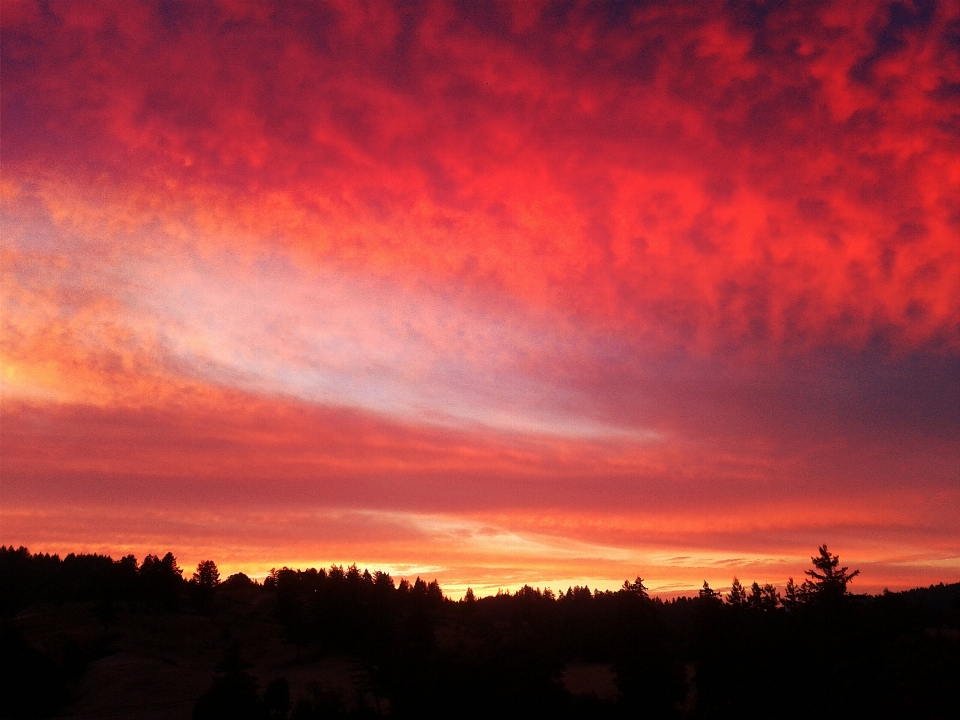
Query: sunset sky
(494, 293)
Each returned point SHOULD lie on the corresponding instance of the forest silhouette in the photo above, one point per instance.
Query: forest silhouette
(813, 649)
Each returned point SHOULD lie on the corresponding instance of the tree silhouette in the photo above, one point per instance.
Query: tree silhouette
(238, 580)
(708, 593)
(793, 595)
(831, 581)
(206, 579)
(169, 563)
(635, 588)
(763, 598)
(737, 596)
(207, 574)
(160, 580)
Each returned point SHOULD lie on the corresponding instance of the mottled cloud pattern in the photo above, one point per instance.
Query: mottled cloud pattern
(506, 292)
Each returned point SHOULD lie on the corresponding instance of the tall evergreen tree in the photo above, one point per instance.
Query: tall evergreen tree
(828, 580)
(737, 596)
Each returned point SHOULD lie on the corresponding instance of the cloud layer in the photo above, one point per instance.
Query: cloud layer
(625, 283)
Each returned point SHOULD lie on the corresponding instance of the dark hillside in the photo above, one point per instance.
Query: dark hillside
(89, 637)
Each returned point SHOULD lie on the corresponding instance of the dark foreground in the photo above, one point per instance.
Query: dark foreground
(89, 637)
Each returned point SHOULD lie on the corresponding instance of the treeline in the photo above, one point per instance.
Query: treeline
(27, 579)
(812, 649)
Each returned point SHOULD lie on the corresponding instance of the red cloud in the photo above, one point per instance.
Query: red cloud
(724, 235)
(699, 177)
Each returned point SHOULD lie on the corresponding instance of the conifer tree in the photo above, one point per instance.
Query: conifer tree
(827, 580)
(635, 588)
(793, 595)
(708, 593)
(737, 596)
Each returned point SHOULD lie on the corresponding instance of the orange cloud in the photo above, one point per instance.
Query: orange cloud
(256, 482)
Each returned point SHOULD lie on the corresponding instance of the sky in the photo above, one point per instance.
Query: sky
(546, 293)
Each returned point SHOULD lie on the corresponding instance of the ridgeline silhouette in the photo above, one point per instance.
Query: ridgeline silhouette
(341, 642)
